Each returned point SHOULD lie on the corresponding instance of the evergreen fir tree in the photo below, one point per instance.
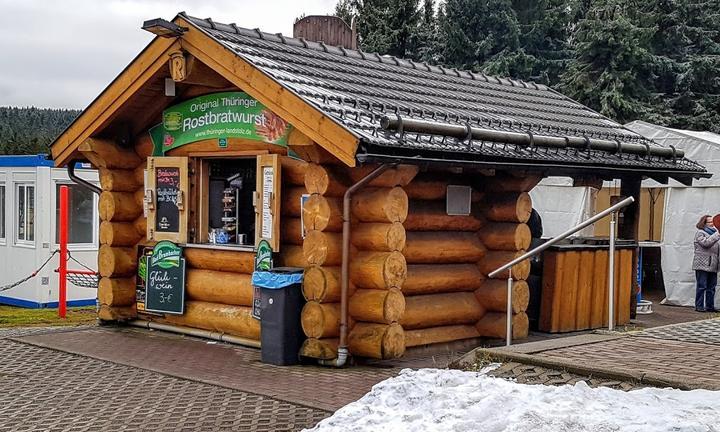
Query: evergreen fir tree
(31, 130)
(544, 31)
(479, 35)
(426, 43)
(384, 26)
(611, 70)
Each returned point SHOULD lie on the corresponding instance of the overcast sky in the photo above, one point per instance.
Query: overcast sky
(63, 53)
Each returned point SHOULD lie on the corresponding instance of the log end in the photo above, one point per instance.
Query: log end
(395, 270)
(393, 343)
(394, 306)
(314, 320)
(115, 313)
(396, 237)
(325, 349)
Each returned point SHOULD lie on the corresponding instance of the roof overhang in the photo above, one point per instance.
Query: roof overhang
(444, 159)
(305, 117)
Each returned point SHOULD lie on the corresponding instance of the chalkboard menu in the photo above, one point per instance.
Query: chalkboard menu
(167, 181)
(165, 279)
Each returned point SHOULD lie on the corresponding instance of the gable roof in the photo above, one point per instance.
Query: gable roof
(339, 97)
(358, 89)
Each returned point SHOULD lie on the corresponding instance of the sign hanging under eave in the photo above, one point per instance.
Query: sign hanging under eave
(218, 116)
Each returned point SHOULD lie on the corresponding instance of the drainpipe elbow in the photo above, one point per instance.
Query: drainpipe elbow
(336, 362)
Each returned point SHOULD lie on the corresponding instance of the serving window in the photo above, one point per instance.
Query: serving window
(227, 201)
(217, 202)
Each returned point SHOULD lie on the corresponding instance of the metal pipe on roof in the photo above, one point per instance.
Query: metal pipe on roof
(522, 139)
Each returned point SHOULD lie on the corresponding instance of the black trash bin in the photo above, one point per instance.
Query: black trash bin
(281, 302)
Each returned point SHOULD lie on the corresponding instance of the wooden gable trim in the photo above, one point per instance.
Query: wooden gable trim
(103, 108)
(309, 120)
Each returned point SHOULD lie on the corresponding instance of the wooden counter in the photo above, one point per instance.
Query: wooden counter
(574, 292)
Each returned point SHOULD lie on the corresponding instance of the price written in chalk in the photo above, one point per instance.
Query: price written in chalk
(166, 279)
(167, 187)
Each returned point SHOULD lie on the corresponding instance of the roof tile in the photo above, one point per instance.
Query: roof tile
(358, 88)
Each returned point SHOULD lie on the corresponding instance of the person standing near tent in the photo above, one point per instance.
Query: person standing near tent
(705, 264)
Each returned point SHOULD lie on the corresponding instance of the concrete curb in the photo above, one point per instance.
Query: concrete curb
(639, 377)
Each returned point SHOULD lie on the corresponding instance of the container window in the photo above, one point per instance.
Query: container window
(81, 215)
(25, 213)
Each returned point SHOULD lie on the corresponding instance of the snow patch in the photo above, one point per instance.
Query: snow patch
(451, 400)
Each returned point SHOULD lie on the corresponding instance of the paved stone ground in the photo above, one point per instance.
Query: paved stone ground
(682, 355)
(213, 363)
(47, 390)
(12, 332)
(530, 374)
(106, 379)
(703, 332)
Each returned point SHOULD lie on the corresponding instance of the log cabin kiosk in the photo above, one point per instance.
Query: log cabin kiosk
(216, 137)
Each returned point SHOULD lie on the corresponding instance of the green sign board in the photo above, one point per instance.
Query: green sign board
(165, 279)
(263, 256)
(218, 116)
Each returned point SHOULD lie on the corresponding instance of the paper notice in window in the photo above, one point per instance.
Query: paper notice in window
(267, 217)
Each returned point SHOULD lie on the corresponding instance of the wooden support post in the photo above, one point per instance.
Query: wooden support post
(629, 229)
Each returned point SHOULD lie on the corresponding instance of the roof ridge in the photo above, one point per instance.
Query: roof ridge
(371, 56)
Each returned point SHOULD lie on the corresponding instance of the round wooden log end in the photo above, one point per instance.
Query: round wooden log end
(524, 207)
(397, 205)
(396, 237)
(315, 247)
(394, 305)
(395, 270)
(393, 342)
(312, 319)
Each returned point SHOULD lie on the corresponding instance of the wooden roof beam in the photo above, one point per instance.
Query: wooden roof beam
(309, 120)
(103, 109)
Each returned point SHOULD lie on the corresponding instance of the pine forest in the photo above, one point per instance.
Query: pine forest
(652, 60)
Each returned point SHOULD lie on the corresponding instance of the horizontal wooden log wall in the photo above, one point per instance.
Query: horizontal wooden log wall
(377, 270)
(447, 293)
(122, 224)
(218, 293)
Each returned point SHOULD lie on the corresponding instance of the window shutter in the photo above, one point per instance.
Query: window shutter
(166, 199)
(267, 201)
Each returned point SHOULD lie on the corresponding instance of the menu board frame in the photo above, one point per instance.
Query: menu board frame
(156, 198)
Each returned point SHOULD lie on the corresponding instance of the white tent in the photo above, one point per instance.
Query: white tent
(562, 206)
(684, 205)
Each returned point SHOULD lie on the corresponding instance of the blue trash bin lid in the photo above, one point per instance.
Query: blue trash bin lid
(276, 280)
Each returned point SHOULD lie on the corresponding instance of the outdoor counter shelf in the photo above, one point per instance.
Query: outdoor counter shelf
(575, 286)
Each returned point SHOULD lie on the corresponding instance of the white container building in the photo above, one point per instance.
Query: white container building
(29, 209)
